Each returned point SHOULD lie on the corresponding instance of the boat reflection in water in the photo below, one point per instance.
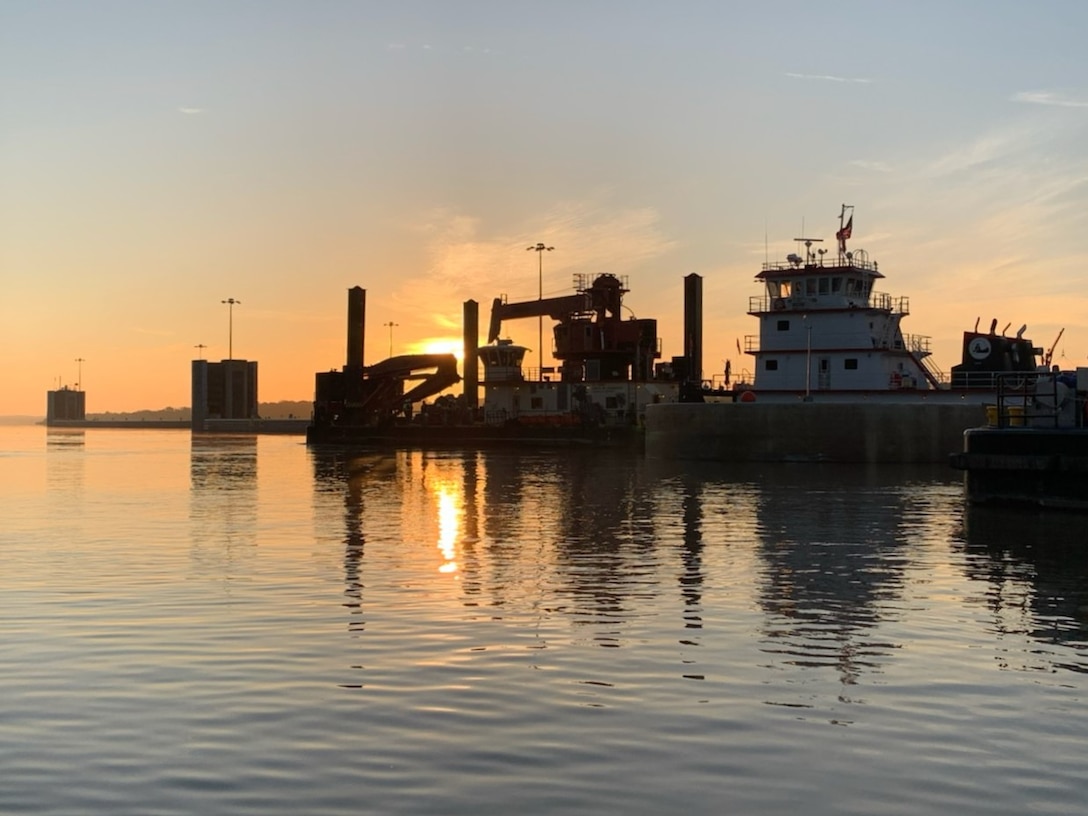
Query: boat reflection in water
(1036, 568)
(655, 634)
(595, 544)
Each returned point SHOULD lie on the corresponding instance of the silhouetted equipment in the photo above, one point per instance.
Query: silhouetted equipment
(592, 340)
(598, 394)
(471, 340)
(986, 355)
(693, 327)
(372, 396)
(1050, 351)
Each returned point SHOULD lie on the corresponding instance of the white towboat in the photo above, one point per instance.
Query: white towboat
(835, 377)
(826, 333)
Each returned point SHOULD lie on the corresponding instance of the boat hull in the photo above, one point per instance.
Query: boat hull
(1037, 466)
(877, 432)
(476, 436)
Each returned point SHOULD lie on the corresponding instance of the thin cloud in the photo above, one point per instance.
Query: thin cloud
(191, 111)
(828, 78)
(1048, 98)
(987, 150)
(874, 166)
(589, 236)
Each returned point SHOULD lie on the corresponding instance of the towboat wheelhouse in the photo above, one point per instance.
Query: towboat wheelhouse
(824, 327)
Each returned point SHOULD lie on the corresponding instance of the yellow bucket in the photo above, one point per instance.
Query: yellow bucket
(1013, 416)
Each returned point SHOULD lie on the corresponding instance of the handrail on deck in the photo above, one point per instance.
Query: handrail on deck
(1034, 399)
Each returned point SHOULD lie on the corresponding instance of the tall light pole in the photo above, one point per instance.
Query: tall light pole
(540, 249)
(390, 324)
(79, 373)
(231, 303)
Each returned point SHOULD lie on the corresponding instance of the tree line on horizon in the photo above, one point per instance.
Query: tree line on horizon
(284, 409)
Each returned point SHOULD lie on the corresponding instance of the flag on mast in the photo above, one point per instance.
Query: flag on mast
(845, 232)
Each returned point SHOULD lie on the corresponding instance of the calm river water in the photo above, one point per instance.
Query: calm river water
(245, 626)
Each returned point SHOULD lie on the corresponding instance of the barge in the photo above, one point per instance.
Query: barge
(1033, 448)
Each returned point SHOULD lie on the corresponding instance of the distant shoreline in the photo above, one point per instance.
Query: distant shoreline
(284, 409)
(18, 419)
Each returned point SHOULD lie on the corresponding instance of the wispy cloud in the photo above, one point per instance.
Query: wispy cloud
(464, 49)
(873, 166)
(828, 78)
(589, 237)
(1049, 98)
(191, 111)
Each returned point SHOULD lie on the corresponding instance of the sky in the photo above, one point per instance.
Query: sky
(157, 159)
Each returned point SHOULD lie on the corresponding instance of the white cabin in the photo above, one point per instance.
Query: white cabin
(824, 328)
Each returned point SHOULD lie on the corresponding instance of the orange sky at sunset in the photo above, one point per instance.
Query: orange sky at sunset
(157, 159)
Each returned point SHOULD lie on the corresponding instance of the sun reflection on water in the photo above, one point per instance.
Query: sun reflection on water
(450, 509)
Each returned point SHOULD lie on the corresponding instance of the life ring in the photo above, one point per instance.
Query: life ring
(779, 304)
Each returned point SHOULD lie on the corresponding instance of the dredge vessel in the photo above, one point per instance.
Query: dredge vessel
(608, 374)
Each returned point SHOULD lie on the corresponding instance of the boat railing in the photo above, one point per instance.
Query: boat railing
(858, 260)
(762, 303)
(897, 305)
(498, 416)
(917, 343)
(1036, 399)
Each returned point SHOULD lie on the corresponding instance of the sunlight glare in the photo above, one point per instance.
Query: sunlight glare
(440, 345)
(449, 526)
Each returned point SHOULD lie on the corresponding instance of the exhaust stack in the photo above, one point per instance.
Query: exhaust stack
(693, 327)
(356, 326)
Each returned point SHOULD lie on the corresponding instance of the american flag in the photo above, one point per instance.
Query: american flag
(846, 231)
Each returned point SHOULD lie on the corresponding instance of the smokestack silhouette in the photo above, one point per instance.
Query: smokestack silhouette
(356, 326)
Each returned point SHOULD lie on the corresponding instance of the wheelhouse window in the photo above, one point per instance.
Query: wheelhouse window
(777, 289)
(783, 325)
(771, 365)
(850, 363)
